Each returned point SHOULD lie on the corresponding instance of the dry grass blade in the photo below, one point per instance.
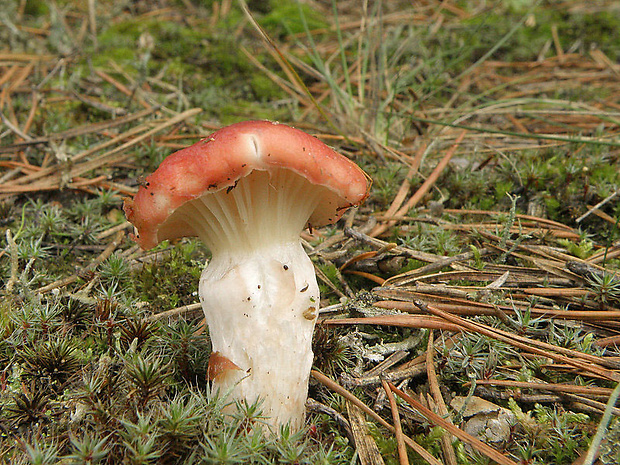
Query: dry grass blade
(433, 384)
(464, 307)
(597, 206)
(435, 265)
(405, 321)
(116, 155)
(374, 278)
(535, 219)
(398, 430)
(288, 68)
(425, 187)
(528, 344)
(43, 172)
(462, 435)
(5, 56)
(334, 386)
(553, 387)
(512, 278)
(522, 229)
(283, 84)
(400, 196)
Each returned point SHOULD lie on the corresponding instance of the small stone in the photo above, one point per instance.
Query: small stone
(485, 420)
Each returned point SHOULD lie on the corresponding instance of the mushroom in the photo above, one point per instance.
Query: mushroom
(247, 191)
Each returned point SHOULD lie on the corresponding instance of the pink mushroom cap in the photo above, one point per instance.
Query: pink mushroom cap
(217, 162)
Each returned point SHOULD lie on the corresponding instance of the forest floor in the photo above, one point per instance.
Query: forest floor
(470, 307)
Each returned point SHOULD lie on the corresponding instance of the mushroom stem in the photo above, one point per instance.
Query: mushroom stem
(261, 308)
(259, 291)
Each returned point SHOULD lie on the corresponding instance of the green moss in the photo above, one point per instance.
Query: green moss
(36, 8)
(331, 272)
(286, 17)
(586, 31)
(502, 188)
(565, 180)
(387, 178)
(600, 29)
(62, 116)
(264, 88)
(118, 43)
(172, 40)
(215, 74)
(246, 109)
(171, 282)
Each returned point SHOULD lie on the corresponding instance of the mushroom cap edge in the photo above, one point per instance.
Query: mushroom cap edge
(218, 161)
